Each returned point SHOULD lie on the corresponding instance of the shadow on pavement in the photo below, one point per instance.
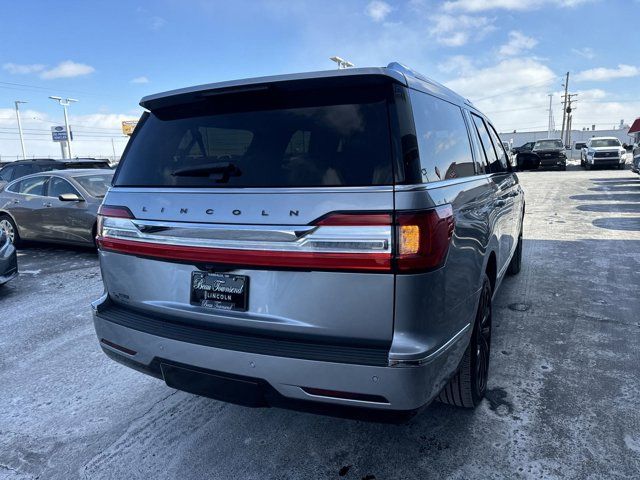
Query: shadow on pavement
(627, 224)
(616, 188)
(613, 197)
(610, 208)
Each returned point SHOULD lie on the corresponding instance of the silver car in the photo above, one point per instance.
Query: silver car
(59, 206)
(327, 241)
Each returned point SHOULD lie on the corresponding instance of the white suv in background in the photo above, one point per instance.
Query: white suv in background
(603, 152)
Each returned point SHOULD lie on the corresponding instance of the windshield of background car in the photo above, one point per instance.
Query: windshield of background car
(95, 185)
(548, 145)
(608, 142)
(271, 138)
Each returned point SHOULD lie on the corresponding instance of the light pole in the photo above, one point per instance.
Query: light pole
(342, 63)
(65, 102)
(17, 102)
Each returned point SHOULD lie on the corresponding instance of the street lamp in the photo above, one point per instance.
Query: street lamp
(342, 63)
(65, 102)
(17, 102)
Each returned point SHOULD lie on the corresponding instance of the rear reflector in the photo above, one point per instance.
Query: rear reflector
(362, 397)
(120, 348)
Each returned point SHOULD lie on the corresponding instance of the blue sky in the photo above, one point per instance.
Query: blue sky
(505, 55)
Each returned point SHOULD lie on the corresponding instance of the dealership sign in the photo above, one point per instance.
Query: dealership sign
(128, 126)
(59, 133)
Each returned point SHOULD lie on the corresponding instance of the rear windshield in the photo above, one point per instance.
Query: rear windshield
(548, 144)
(607, 142)
(265, 138)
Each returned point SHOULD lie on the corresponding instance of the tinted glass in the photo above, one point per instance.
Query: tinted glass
(319, 138)
(497, 144)
(5, 173)
(548, 144)
(32, 186)
(608, 142)
(22, 170)
(494, 162)
(59, 186)
(95, 185)
(443, 141)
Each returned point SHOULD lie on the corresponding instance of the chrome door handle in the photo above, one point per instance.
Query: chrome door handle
(16, 201)
(46, 204)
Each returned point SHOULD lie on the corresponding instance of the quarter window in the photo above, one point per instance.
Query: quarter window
(443, 140)
(5, 173)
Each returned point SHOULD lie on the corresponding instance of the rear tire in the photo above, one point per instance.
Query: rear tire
(468, 386)
(9, 226)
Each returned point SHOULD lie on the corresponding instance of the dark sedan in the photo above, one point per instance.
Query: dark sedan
(59, 206)
(8, 259)
(545, 154)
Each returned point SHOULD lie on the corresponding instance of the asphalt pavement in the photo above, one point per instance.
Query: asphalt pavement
(563, 389)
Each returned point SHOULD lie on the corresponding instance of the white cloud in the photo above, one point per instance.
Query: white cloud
(18, 69)
(484, 5)
(602, 74)
(378, 10)
(457, 30)
(585, 52)
(518, 43)
(141, 79)
(67, 69)
(456, 64)
(156, 23)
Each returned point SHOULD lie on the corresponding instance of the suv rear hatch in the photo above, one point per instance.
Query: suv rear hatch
(265, 209)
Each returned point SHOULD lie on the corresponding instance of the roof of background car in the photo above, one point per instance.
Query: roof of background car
(81, 172)
(395, 71)
(604, 138)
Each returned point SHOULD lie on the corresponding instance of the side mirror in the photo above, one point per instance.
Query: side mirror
(70, 197)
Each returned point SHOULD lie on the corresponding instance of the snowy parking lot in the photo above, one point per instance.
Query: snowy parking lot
(563, 388)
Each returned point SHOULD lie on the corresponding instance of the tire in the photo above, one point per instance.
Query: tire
(516, 260)
(582, 162)
(587, 166)
(8, 225)
(563, 168)
(468, 386)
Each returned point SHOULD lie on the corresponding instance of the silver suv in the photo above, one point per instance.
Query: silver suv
(325, 241)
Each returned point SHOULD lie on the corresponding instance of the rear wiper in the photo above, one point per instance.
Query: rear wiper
(219, 171)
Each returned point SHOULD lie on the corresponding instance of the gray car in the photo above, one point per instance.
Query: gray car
(327, 241)
(58, 206)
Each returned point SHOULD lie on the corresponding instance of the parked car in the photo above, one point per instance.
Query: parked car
(20, 168)
(320, 241)
(526, 147)
(603, 152)
(550, 154)
(8, 257)
(58, 206)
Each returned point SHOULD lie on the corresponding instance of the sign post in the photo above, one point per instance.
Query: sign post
(59, 134)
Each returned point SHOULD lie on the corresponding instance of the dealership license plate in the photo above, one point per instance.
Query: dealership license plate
(220, 290)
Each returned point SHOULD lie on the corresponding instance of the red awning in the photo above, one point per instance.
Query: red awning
(635, 128)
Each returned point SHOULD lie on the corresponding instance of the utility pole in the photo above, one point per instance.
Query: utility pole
(569, 109)
(564, 107)
(113, 148)
(17, 102)
(550, 116)
(65, 103)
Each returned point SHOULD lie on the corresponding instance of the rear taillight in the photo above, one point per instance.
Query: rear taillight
(423, 238)
(109, 211)
(403, 242)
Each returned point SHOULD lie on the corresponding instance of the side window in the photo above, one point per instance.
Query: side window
(59, 186)
(443, 140)
(497, 144)
(493, 162)
(22, 170)
(6, 173)
(479, 155)
(299, 143)
(32, 186)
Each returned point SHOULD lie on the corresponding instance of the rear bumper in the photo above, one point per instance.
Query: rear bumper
(8, 263)
(257, 379)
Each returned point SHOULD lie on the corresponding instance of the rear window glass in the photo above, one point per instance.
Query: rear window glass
(265, 139)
